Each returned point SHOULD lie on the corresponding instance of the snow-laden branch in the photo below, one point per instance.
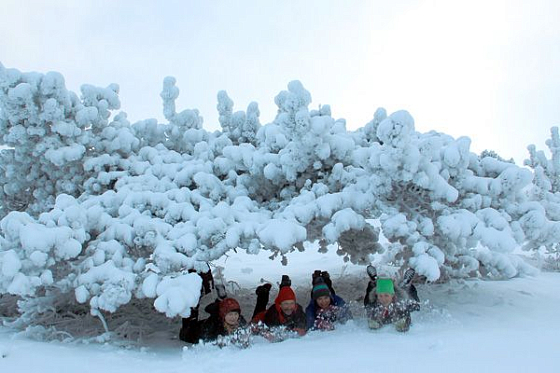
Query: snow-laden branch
(113, 210)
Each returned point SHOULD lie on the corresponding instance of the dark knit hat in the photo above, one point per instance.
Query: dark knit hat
(285, 293)
(320, 289)
(229, 305)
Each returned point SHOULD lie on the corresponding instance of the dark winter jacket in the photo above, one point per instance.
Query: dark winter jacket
(274, 316)
(337, 312)
(207, 330)
(264, 320)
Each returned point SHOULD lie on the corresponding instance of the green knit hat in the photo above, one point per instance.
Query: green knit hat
(385, 286)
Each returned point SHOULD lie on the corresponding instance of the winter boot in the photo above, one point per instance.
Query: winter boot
(213, 309)
(327, 278)
(316, 274)
(221, 290)
(263, 294)
(263, 289)
(285, 281)
(407, 277)
(207, 281)
(372, 272)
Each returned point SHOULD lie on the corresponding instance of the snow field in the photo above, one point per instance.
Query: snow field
(463, 326)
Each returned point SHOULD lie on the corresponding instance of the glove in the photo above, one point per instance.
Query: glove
(374, 324)
(323, 325)
(401, 325)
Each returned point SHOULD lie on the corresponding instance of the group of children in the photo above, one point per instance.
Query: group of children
(385, 303)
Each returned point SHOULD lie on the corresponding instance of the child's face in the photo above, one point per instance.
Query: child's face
(385, 298)
(288, 306)
(231, 318)
(324, 301)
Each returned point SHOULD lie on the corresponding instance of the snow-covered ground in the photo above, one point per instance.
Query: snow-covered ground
(464, 326)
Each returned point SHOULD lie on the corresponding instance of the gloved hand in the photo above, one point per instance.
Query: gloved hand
(402, 325)
(259, 328)
(374, 324)
(323, 325)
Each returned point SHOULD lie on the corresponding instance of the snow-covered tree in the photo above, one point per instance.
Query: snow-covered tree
(116, 211)
(43, 150)
(543, 213)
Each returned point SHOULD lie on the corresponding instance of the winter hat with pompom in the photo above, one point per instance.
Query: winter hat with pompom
(229, 305)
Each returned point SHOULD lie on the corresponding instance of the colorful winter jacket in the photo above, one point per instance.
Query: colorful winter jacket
(320, 319)
(397, 310)
(403, 304)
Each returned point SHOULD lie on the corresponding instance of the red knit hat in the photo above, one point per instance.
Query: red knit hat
(285, 293)
(229, 305)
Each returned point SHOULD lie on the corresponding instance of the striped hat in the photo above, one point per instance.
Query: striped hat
(320, 289)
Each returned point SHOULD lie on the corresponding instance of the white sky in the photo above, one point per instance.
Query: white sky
(485, 69)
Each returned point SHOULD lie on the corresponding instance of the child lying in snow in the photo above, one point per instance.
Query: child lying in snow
(225, 320)
(225, 326)
(325, 308)
(285, 312)
(387, 304)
